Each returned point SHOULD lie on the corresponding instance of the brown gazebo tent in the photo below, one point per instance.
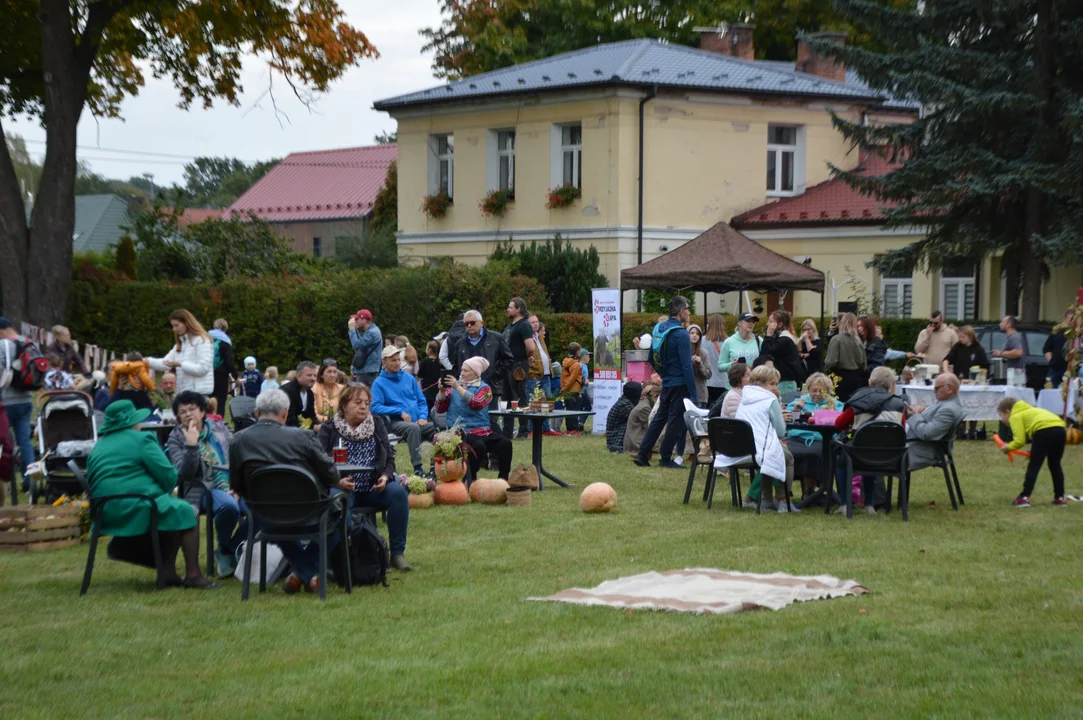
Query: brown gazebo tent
(722, 260)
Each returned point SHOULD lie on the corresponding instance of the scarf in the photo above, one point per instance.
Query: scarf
(358, 434)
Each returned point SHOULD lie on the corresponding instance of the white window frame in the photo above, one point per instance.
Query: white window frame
(558, 149)
(961, 286)
(498, 156)
(797, 163)
(437, 160)
(898, 288)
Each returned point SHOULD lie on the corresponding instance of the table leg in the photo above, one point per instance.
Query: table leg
(536, 460)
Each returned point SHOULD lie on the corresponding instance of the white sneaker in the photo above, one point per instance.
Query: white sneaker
(783, 507)
(751, 505)
(794, 508)
(870, 510)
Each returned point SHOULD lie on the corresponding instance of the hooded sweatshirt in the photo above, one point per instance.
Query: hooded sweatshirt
(760, 409)
(396, 393)
(871, 403)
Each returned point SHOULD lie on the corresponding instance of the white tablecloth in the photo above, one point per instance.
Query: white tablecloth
(1052, 401)
(979, 401)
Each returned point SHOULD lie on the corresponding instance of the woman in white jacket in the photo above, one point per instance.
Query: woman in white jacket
(192, 358)
(760, 409)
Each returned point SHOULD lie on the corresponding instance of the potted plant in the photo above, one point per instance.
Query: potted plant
(449, 456)
(495, 202)
(420, 491)
(562, 196)
(435, 206)
(538, 401)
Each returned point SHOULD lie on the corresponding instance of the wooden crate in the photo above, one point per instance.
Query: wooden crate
(34, 528)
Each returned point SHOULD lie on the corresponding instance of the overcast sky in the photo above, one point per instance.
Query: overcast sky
(343, 117)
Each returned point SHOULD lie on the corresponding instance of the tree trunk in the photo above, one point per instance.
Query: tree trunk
(14, 238)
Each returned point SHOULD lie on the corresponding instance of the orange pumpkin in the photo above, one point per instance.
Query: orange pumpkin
(451, 493)
(1074, 436)
(449, 470)
(489, 492)
(598, 498)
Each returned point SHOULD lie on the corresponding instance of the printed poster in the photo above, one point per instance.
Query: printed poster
(605, 303)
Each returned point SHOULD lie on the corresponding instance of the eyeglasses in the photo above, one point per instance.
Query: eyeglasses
(470, 323)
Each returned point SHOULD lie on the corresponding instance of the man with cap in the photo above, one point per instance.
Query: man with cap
(397, 396)
(673, 360)
(17, 403)
(366, 339)
(742, 346)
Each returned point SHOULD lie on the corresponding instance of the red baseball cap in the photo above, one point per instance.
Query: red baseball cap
(362, 314)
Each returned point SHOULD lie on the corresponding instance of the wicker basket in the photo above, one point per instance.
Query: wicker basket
(519, 496)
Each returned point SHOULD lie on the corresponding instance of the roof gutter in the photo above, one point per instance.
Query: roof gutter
(639, 225)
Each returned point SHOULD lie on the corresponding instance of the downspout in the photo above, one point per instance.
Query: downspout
(639, 227)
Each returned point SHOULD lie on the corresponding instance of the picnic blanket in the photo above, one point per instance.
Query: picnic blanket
(707, 591)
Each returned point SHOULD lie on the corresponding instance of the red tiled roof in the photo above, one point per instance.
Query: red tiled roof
(322, 185)
(830, 203)
(194, 216)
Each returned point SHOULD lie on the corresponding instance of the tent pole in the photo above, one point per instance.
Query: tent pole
(821, 312)
(704, 311)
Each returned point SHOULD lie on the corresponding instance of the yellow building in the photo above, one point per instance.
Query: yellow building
(712, 133)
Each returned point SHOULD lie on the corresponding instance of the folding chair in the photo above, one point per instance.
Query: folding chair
(878, 448)
(734, 449)
(945, 460)
(286, 503)
(97, 505)
(695, 419)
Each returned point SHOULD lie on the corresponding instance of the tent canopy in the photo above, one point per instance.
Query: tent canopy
(722, 260)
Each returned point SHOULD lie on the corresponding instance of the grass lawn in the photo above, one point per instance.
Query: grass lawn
(974, 613)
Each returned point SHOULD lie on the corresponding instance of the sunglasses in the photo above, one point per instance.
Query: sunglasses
(470, 323)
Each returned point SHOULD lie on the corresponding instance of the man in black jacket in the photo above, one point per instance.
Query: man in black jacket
(302, 401)
(271, 442)
(492, 346)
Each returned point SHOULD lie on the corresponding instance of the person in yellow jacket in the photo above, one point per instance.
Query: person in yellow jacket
(1048, 436)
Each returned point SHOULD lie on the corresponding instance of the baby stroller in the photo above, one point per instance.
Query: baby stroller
(243, 411)
(66, 431)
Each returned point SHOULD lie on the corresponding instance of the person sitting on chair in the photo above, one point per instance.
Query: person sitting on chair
(640, 417)
(933, 424)
(126, 460)
(198, 447)
(876, 402)
(364, 437)
(271, 442)
(616, 422)
(397, 397)
(466, 402)
(760, 408)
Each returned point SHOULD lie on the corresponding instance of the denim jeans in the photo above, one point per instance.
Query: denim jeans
(671, 416)
(531, 385)
(394, 499)
(305, 557)
(229, 528)
(19, 420)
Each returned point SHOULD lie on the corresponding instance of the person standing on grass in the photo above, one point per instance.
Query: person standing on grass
(936, 341)
(224, 369)
(520, 337)
(673, 360)
(846, 357)
(712, 346)
(18, 403)
(367, 341)
(1054, 351)
(192, 357)
(540, 369)
(743, 346)
(1047, 434)
(571, 386)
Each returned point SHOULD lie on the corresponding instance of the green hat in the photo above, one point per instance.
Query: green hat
(121, 415)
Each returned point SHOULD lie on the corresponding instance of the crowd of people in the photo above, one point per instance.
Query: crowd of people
(392, 394)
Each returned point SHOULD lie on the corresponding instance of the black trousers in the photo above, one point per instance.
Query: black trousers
(515, 390)
(1046, 446)
(494, 444)
(671, 416)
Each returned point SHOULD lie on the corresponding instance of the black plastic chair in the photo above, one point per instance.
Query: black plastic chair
(697, 429)
(734, 439)
(877, 448)
(285, 502)
(97, 505)
(946, 462)
(242, 412)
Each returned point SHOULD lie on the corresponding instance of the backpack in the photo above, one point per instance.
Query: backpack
(658, 339)
(366, 551)
(217, 354)
(28, 366)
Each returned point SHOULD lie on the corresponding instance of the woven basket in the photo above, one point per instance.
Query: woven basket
(519, 496)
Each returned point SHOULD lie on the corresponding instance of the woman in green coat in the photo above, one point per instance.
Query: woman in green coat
(128, 461)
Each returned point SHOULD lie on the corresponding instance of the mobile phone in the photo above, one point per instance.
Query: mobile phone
(742, 360)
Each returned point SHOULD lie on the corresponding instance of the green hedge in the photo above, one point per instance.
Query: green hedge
(284, 320)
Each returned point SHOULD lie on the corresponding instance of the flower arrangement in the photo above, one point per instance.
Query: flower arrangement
(495, 202)
(417, 485)
(562, 196)
(449, 445)
(435, 206)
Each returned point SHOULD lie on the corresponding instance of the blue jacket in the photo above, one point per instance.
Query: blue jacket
(371, 342)
(396, 393)
(676, 357)
(459, 411)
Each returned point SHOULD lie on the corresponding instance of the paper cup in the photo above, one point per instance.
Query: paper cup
(503, 405)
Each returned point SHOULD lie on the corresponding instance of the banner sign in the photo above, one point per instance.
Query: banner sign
(605, 303)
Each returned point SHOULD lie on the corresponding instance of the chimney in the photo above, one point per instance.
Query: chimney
(731, 40)
(812, 62)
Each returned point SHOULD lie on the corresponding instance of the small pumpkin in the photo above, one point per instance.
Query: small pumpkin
(449, 470)
(598, 498)
(1074, 436)
(451, 493)
(489, 492)
(420, 502)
